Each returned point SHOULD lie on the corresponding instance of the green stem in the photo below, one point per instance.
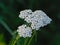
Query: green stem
(16, 40)
(25, 41)
(36, 36)
(32, 37)
(6, 26)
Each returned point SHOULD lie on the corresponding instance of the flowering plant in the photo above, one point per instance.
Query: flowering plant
(35, 20)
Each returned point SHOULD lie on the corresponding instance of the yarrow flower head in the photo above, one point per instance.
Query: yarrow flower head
(40, 19)
(37, 18)
(25, 13)
(24, 31)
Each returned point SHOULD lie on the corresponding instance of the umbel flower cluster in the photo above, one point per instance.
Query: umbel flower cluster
(36, 19)
(24, 31)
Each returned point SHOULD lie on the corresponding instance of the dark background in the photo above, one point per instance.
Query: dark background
(9, 20)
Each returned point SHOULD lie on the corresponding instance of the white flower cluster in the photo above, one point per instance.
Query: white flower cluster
(25, 13)
(37, 19)
(24, 31)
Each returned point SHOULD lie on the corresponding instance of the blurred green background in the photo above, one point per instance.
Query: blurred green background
(9, 20)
